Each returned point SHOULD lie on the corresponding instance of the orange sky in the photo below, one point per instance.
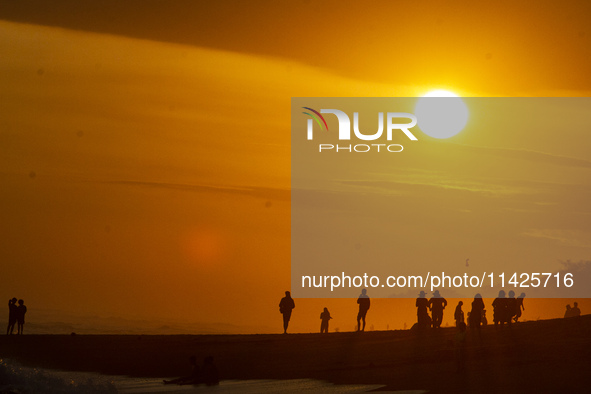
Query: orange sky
(146, 154)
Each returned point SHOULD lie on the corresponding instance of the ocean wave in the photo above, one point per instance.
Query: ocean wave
(16, 379)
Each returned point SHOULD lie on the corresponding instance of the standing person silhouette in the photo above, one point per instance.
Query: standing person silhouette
(285, 307)
(437, 304)
(364, 303)
(575, 310)
(325, 317)
(459, 314)
(11, 316)
(519, 307)
(511, 307)
(422, 304)
(477, 312)
(500, 308)
(21, 309)
(484, 320)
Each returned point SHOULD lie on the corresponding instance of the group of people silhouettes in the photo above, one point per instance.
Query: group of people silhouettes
(506, 310)
(16, 315)
(572, 312)
(436, 305)
(287, 304)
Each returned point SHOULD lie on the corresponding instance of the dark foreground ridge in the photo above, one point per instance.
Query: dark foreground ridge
(541, 356)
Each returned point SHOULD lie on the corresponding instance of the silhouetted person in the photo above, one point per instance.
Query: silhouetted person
(210, 372)
(519, 307)
(21, 309)
(511, 307)
(285, 307)
(325, 317)
(500, 308)
(476, 312)
(575, 310)
(484, 320)
(11, 316)
(364, 303)
(460, 342)
(459, 314)
(193, 378)
(422, 304)
(437, 304)
(569, 312)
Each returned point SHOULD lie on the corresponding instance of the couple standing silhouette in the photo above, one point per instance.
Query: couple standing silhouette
(16, 314)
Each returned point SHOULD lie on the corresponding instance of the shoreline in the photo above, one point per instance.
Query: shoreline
(544, 356)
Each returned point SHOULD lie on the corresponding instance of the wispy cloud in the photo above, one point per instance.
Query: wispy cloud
(253, 191)
(565, 237)
(530, 155)
(398, 185)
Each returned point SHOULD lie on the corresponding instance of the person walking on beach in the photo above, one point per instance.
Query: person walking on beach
(422, 304)
(437, 304)
(519, 307)
(364, 303)
(21, 309)
(11, 316)
(459, 314)
(325, 317)
(285, 307)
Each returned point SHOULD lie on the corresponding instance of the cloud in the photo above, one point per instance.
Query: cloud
(459, 185)
(253, 191)
(564, 237)
(530, 155)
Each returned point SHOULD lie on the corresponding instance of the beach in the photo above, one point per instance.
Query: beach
(537, 356)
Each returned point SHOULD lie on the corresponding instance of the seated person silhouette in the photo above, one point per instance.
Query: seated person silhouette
(210, 372)
(193, 378)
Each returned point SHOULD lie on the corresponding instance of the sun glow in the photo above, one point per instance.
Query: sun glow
(441, 114)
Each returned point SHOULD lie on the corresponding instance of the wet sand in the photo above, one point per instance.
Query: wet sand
(541, 356)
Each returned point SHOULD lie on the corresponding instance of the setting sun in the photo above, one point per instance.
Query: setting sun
(441, 114)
